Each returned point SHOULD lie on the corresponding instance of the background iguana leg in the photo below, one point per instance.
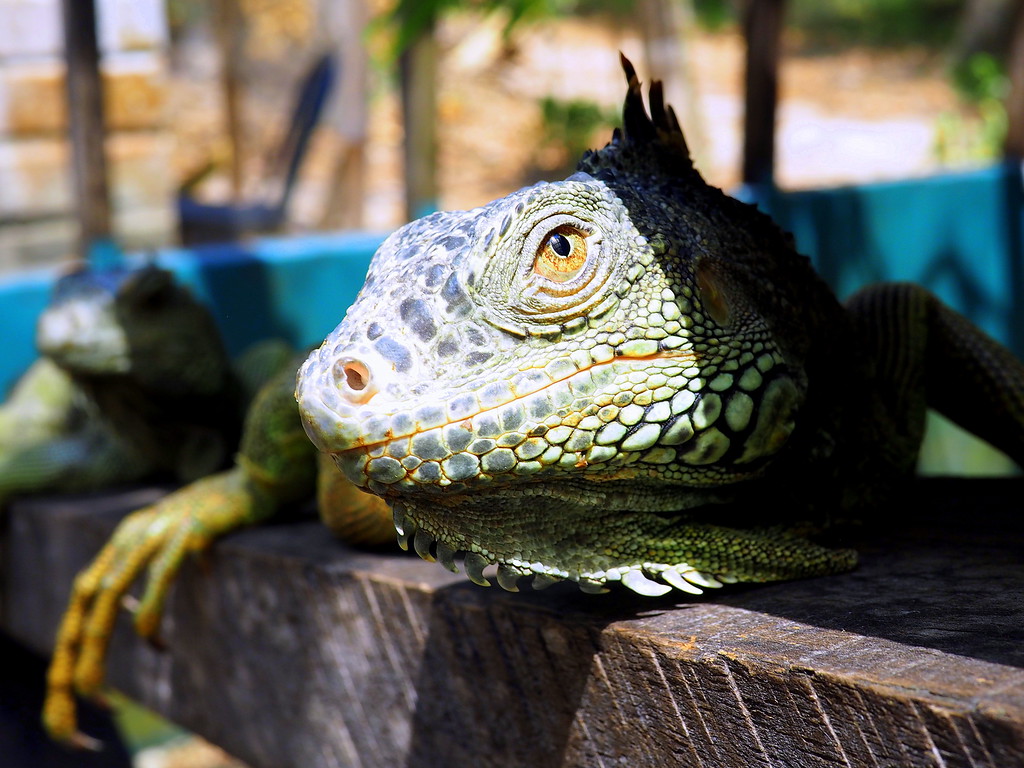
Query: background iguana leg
(51, 439)
(934, 357)
(91, 457)
(42, 404)
(275, 466)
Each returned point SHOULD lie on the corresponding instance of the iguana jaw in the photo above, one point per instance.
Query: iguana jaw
(575, 516)
(569, 424)
(549, 538)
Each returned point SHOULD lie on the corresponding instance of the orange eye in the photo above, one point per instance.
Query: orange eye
(562, 254)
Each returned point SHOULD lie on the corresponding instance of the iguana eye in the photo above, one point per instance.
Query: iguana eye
(562, 254)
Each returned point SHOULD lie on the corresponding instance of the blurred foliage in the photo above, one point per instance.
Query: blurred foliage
(181, 13)
(714, 15)
(411, 18)
(827, 23)
(979, 136)
(568, 126)
(138, 726)
(981, 78)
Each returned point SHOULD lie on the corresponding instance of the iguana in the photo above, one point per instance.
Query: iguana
(628, 376)
(597, 380)
(134, 381)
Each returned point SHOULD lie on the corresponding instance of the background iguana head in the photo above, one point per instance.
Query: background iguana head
(520, 379)
(150, 356)
(132, 321)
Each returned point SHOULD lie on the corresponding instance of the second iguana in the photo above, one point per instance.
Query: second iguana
(133, 382)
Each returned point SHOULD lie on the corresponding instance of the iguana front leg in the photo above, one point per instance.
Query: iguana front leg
(275, 466)
(354, 516)
(928, 356)
(686, 555)
(157, 538)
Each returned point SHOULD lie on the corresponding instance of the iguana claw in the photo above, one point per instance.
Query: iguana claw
(157, 538)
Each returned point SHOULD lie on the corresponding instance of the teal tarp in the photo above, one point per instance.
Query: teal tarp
(292, 288)
(957, 234)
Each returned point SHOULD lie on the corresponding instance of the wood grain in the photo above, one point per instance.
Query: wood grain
(288, 649)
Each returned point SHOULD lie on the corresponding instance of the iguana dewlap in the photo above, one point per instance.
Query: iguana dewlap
(619, 376)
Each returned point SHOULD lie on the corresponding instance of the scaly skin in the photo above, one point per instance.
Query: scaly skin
(275, 467)
(623, 423)
(606, 378)
(42, 405)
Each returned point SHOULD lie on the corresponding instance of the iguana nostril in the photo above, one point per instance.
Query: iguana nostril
(354, 380)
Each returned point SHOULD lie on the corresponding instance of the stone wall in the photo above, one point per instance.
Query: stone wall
(37, 224)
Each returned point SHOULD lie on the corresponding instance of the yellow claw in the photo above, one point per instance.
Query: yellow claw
(78, 659)
(158, 537)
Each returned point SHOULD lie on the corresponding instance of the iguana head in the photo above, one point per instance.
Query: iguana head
(137, 322)
(150, 358)
(534, 381)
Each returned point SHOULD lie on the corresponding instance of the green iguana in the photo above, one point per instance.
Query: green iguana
(133, 382)
(606, 378)
(601, 380)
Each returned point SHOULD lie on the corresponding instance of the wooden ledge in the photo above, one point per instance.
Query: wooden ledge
(288, 649)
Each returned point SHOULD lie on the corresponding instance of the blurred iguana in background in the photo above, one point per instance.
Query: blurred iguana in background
(134, 382)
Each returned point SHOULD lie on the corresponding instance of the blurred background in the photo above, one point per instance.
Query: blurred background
(199, 98)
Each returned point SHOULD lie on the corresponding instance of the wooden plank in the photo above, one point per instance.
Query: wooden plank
(85, 123)
(762, 27)
(288, 649)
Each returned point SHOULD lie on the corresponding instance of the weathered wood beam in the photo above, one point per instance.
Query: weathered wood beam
(288, 649)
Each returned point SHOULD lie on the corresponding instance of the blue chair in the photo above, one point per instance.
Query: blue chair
(206, 223)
